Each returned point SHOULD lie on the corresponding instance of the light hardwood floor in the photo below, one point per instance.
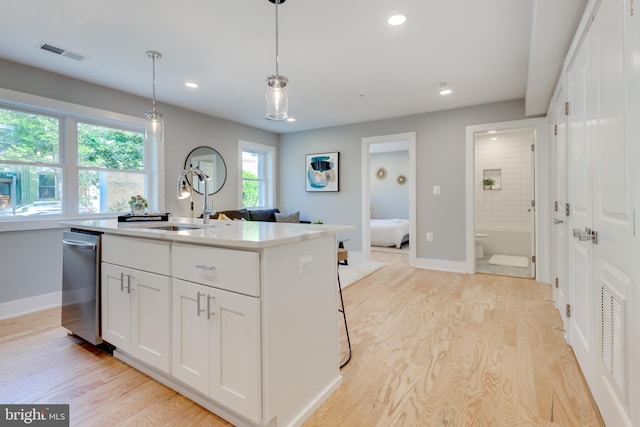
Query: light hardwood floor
(429, 349)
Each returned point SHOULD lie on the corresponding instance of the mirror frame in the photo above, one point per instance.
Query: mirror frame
(213, 152)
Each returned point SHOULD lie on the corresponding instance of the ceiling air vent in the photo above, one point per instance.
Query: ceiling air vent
(61, 51)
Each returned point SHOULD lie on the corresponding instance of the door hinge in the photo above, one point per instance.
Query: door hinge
(566, 108)
(533, 259)
(631, 8)
(567, 209)
(555, 130)
(557, 282)
(568, 310)
(533, 203)
(555, 206)
(533, 147)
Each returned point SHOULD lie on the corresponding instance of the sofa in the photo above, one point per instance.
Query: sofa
(268, 215)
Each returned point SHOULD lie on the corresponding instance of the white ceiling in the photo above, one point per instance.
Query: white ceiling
(344, 62)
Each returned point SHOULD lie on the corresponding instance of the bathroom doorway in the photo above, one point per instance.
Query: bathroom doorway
(504, 201)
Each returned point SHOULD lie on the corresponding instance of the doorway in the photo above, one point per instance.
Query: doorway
(512, 221)
(388, 172)
(504, 208)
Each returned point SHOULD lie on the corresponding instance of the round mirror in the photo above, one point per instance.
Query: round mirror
(211, 163)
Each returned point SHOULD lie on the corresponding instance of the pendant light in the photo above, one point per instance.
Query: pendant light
(155, 128)
(154, 135)
(277, 99)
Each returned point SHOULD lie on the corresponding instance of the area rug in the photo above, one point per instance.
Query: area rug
(509, 260)
(357, 270)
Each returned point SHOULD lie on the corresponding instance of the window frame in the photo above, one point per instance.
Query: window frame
(270, 168)
(70, 115)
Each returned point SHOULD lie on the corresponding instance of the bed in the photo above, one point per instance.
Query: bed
(389, 232)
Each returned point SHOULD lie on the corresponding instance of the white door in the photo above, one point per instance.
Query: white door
(560, 220)
(532, 210)
(612, 216)
(190, 361)
(580, 208)
(150, 318)
(235, 351)
(116, 306)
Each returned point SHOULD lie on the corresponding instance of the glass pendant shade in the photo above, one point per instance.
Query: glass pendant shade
(154, 132)
(277, 98)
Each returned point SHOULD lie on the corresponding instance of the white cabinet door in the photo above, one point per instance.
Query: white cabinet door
(235, 351)
(216, 345)
(116, 306)
(191, 328)
(136, 313)
(150, 318)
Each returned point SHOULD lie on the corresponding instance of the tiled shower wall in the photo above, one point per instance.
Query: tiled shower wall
(509, 207)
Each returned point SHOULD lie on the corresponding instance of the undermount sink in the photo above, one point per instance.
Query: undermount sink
(174, 227)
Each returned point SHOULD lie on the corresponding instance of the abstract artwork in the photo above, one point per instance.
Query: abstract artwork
(322, 172)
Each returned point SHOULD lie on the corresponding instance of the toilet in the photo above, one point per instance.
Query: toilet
(479, 249)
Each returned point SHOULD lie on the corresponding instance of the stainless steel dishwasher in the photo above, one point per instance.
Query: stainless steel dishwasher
(81, 256)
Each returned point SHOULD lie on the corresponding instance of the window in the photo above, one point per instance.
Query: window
(63, 159)
(110, 168)
(257, 174)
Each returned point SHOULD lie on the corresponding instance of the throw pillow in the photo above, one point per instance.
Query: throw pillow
(223, 217)
(283, 217)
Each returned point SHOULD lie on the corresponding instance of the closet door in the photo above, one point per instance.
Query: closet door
(580, 199)
(560, 219)
(612, 215)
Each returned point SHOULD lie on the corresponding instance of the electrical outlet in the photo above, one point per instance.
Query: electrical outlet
(305, 265)
(436, 190)
(429, 237)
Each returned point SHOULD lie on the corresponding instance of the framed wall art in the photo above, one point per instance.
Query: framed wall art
(321, 172)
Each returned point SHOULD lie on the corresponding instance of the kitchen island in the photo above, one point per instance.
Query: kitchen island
(239, 316)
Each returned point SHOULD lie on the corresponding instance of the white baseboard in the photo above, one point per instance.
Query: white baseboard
(442, 265)
(30, 305)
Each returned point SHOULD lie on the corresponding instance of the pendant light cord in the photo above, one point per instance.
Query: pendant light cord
(277, 57)
(153, 58)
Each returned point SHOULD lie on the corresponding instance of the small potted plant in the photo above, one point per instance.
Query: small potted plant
(138, 205)
(488, 183)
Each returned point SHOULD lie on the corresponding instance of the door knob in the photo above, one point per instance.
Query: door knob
(557, 221)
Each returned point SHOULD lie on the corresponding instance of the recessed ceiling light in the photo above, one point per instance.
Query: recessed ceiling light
(444, 89)
(397, 20)
(191, 85)
(494, 139)
(492, 131)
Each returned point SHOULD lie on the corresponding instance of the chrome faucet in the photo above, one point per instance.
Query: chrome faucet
(206, 212)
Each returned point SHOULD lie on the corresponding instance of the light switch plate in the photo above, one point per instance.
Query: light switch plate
(436, 190)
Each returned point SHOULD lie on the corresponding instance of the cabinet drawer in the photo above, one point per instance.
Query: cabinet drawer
(235, 271)
(143, 254)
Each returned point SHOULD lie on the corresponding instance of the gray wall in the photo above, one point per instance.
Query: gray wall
(184, 130)
(30, 263)
(389, 199)
(440, 159)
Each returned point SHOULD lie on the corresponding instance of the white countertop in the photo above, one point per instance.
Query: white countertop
(233, 234)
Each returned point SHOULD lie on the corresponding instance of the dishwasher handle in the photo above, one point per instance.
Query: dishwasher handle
(79, 244)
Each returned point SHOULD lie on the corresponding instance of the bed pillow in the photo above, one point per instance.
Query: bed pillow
(283, 217)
